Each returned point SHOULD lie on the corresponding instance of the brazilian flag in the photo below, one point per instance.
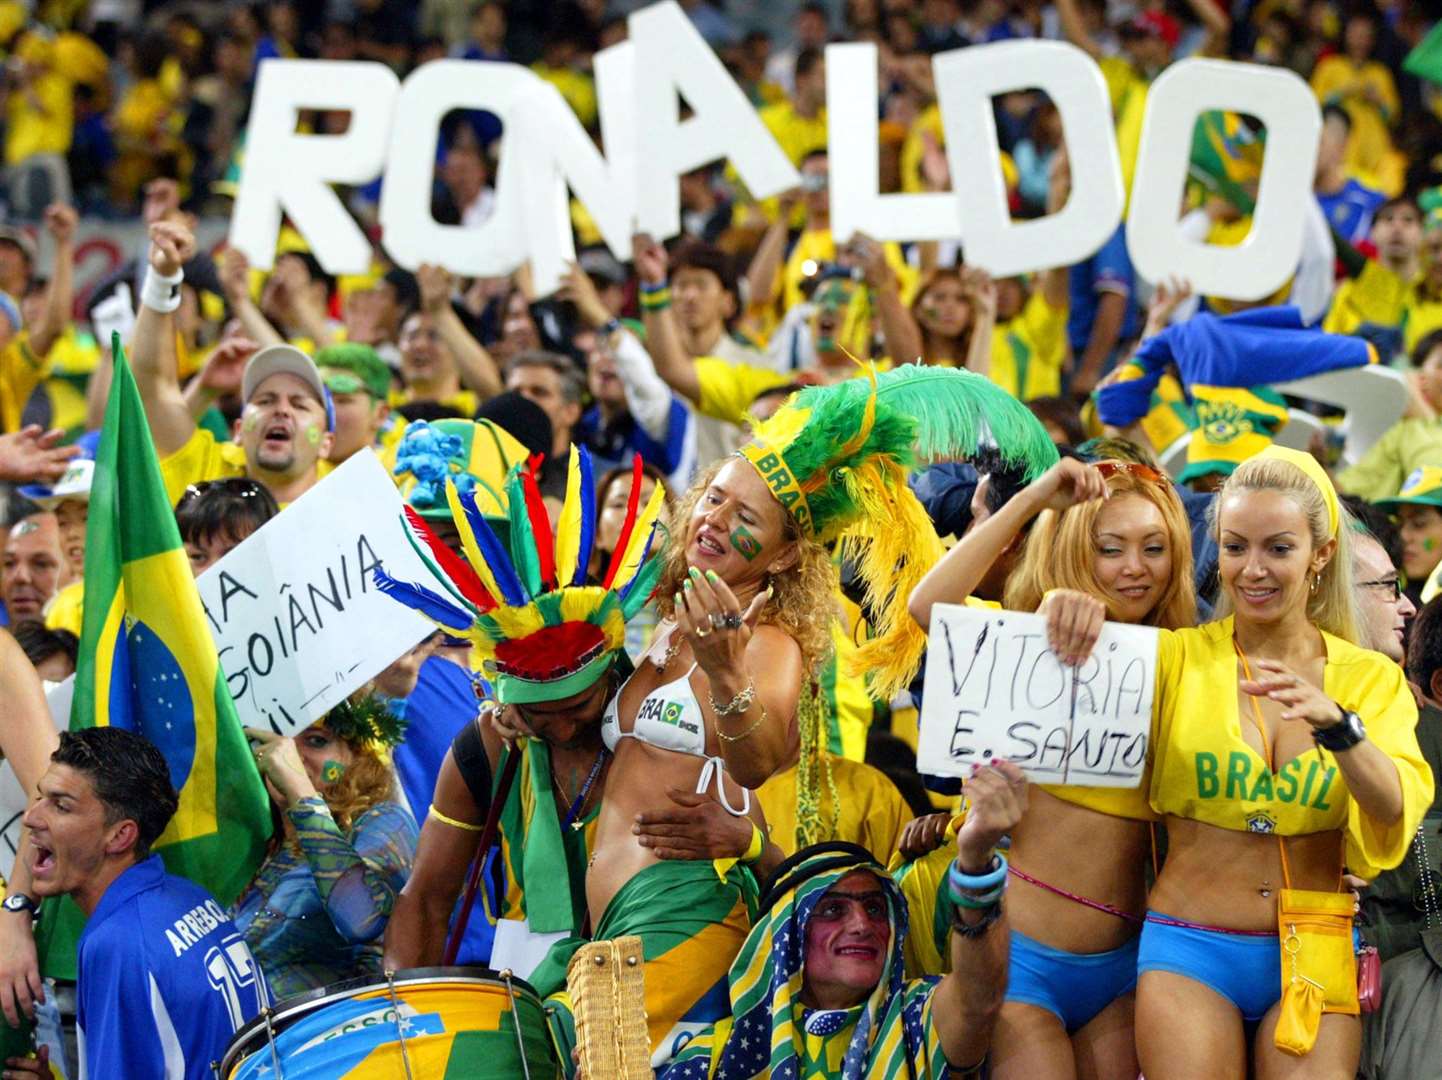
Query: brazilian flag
(148, 664)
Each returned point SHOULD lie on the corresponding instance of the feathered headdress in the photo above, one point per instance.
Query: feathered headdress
(837, 458)
(542, 632)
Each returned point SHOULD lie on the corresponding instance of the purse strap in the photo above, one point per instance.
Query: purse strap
(1267, 750)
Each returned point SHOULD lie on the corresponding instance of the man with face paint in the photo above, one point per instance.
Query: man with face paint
(284, 432)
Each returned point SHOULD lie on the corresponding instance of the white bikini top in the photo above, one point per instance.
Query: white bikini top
(670, 718)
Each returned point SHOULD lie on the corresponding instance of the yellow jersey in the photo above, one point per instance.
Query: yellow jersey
(204, 458)
(21, 371)
(1029, 350)
(872, 812)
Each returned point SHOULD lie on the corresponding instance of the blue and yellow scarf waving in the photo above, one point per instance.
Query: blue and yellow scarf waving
(771, 1035)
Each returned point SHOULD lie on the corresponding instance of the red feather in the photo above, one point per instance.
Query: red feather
(540, 523)
(633, 507)
(456, 568)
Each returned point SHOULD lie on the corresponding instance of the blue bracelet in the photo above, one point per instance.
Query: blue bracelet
(980, 882)
(978, 901)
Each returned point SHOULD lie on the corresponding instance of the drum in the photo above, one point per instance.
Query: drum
(423, 1023)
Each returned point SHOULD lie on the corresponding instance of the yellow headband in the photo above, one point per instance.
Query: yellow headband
(1315, 473)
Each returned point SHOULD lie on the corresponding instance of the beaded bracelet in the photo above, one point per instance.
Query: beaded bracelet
(975, 930)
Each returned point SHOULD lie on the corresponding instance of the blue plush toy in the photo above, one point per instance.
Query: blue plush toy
(431, 456)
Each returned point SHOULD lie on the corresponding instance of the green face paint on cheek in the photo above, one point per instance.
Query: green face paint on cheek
(250, 422)
(331, 771)
(745, 543)
(1429, 545)
(312, 434)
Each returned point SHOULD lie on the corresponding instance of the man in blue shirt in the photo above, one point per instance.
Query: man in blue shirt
(1348, 204)
(1102, 319)
(165, 979)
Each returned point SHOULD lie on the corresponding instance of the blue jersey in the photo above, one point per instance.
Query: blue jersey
(1109, 270)
(164, 980)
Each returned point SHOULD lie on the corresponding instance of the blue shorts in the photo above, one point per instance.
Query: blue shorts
(1073, 986)
(1245, 970)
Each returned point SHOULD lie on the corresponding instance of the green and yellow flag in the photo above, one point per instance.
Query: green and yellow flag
(148, 664)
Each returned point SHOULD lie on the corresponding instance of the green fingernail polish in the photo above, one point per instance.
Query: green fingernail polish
(710, 575)
(678, 598)
(686, 585)
(694, 572)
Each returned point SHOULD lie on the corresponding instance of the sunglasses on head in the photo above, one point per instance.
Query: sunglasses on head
(1108, 469)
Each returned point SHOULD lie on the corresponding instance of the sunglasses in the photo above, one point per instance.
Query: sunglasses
(1108, 469)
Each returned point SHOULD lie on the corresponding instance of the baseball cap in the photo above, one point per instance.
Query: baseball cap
(285, 360)
(1155, 24)
(1422, 488)
(21, 239)
(74, 483)
(352, 367)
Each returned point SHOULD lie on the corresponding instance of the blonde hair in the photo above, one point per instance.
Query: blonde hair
(367, 782)
(803, 598)
(1332, 605)
(1060, 553)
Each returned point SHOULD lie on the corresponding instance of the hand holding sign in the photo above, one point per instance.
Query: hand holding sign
(995, 690)
(1073, 623)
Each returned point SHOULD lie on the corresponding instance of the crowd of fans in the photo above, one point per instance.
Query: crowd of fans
(257, 384)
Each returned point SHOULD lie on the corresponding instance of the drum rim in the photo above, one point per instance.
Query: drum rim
(299, 1005)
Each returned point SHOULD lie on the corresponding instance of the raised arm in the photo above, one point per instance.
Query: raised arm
(60, 222)
(903, 336)
(953, 579)
(478, 369)
(152, 354)
(663, 336)
(1075, 28)
(967, 1002)
(235, 280)
(982, 291)
(763, 275)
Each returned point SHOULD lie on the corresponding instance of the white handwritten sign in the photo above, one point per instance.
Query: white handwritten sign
(297, 619)
(994, 689)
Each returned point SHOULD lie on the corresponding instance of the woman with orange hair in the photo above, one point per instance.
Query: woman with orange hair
(1117, 532)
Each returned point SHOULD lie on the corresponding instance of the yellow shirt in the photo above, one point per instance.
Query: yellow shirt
(203, 458)
(30, 131)
(727, 390)
(1338, 81)
(1204, 769)
(66, 608)
(913, 148)
(466, 402)
(1028, 351)
(1376, 295)
(872, 812)
(577, 88)
(21, 371)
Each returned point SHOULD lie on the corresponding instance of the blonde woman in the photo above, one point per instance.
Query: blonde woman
(342, 850)
(1115, 532)
(1283, 754)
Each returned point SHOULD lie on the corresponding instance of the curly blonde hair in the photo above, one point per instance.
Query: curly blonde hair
(367, 782)
(1060, 550)
(803, 597)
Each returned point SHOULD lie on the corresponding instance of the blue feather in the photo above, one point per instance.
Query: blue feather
(432, 605)
(513, 593)
(588, 518)
(642, 565)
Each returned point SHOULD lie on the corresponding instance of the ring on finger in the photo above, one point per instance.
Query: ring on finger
(732, 620)
(717, 620)
(701, 632)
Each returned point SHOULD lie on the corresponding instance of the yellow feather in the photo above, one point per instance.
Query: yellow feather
(894, 546)
(518, 622)
(568, 528)
(468, 541)
(640, 536)
(579, 604)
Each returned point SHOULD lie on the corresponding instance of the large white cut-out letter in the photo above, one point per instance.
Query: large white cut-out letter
(672, 61)
(557, 152)
(1267, 257)
(966, 81)
(408, 231)
(293, 172)
(851, 129)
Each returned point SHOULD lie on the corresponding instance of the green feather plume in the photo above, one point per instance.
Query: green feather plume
(365, 720)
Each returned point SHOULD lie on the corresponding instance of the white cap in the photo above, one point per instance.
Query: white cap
(281, 360)
(73, 484)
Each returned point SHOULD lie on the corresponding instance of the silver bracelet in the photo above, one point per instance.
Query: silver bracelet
(739, 704)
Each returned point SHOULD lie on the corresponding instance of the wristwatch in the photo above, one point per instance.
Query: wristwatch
(18, 901)
(1343, 735)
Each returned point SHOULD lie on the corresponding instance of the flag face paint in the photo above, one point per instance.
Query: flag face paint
(745, 543)
(312, 434)
(331, 771)
(1429, 544)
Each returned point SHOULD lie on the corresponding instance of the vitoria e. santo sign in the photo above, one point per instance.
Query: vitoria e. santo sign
(634, 185)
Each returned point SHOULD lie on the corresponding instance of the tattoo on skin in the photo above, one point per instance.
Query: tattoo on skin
(745, 543)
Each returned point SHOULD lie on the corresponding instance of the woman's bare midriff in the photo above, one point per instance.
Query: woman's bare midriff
(1084, 852)
(1221, 877)
(639, 777)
